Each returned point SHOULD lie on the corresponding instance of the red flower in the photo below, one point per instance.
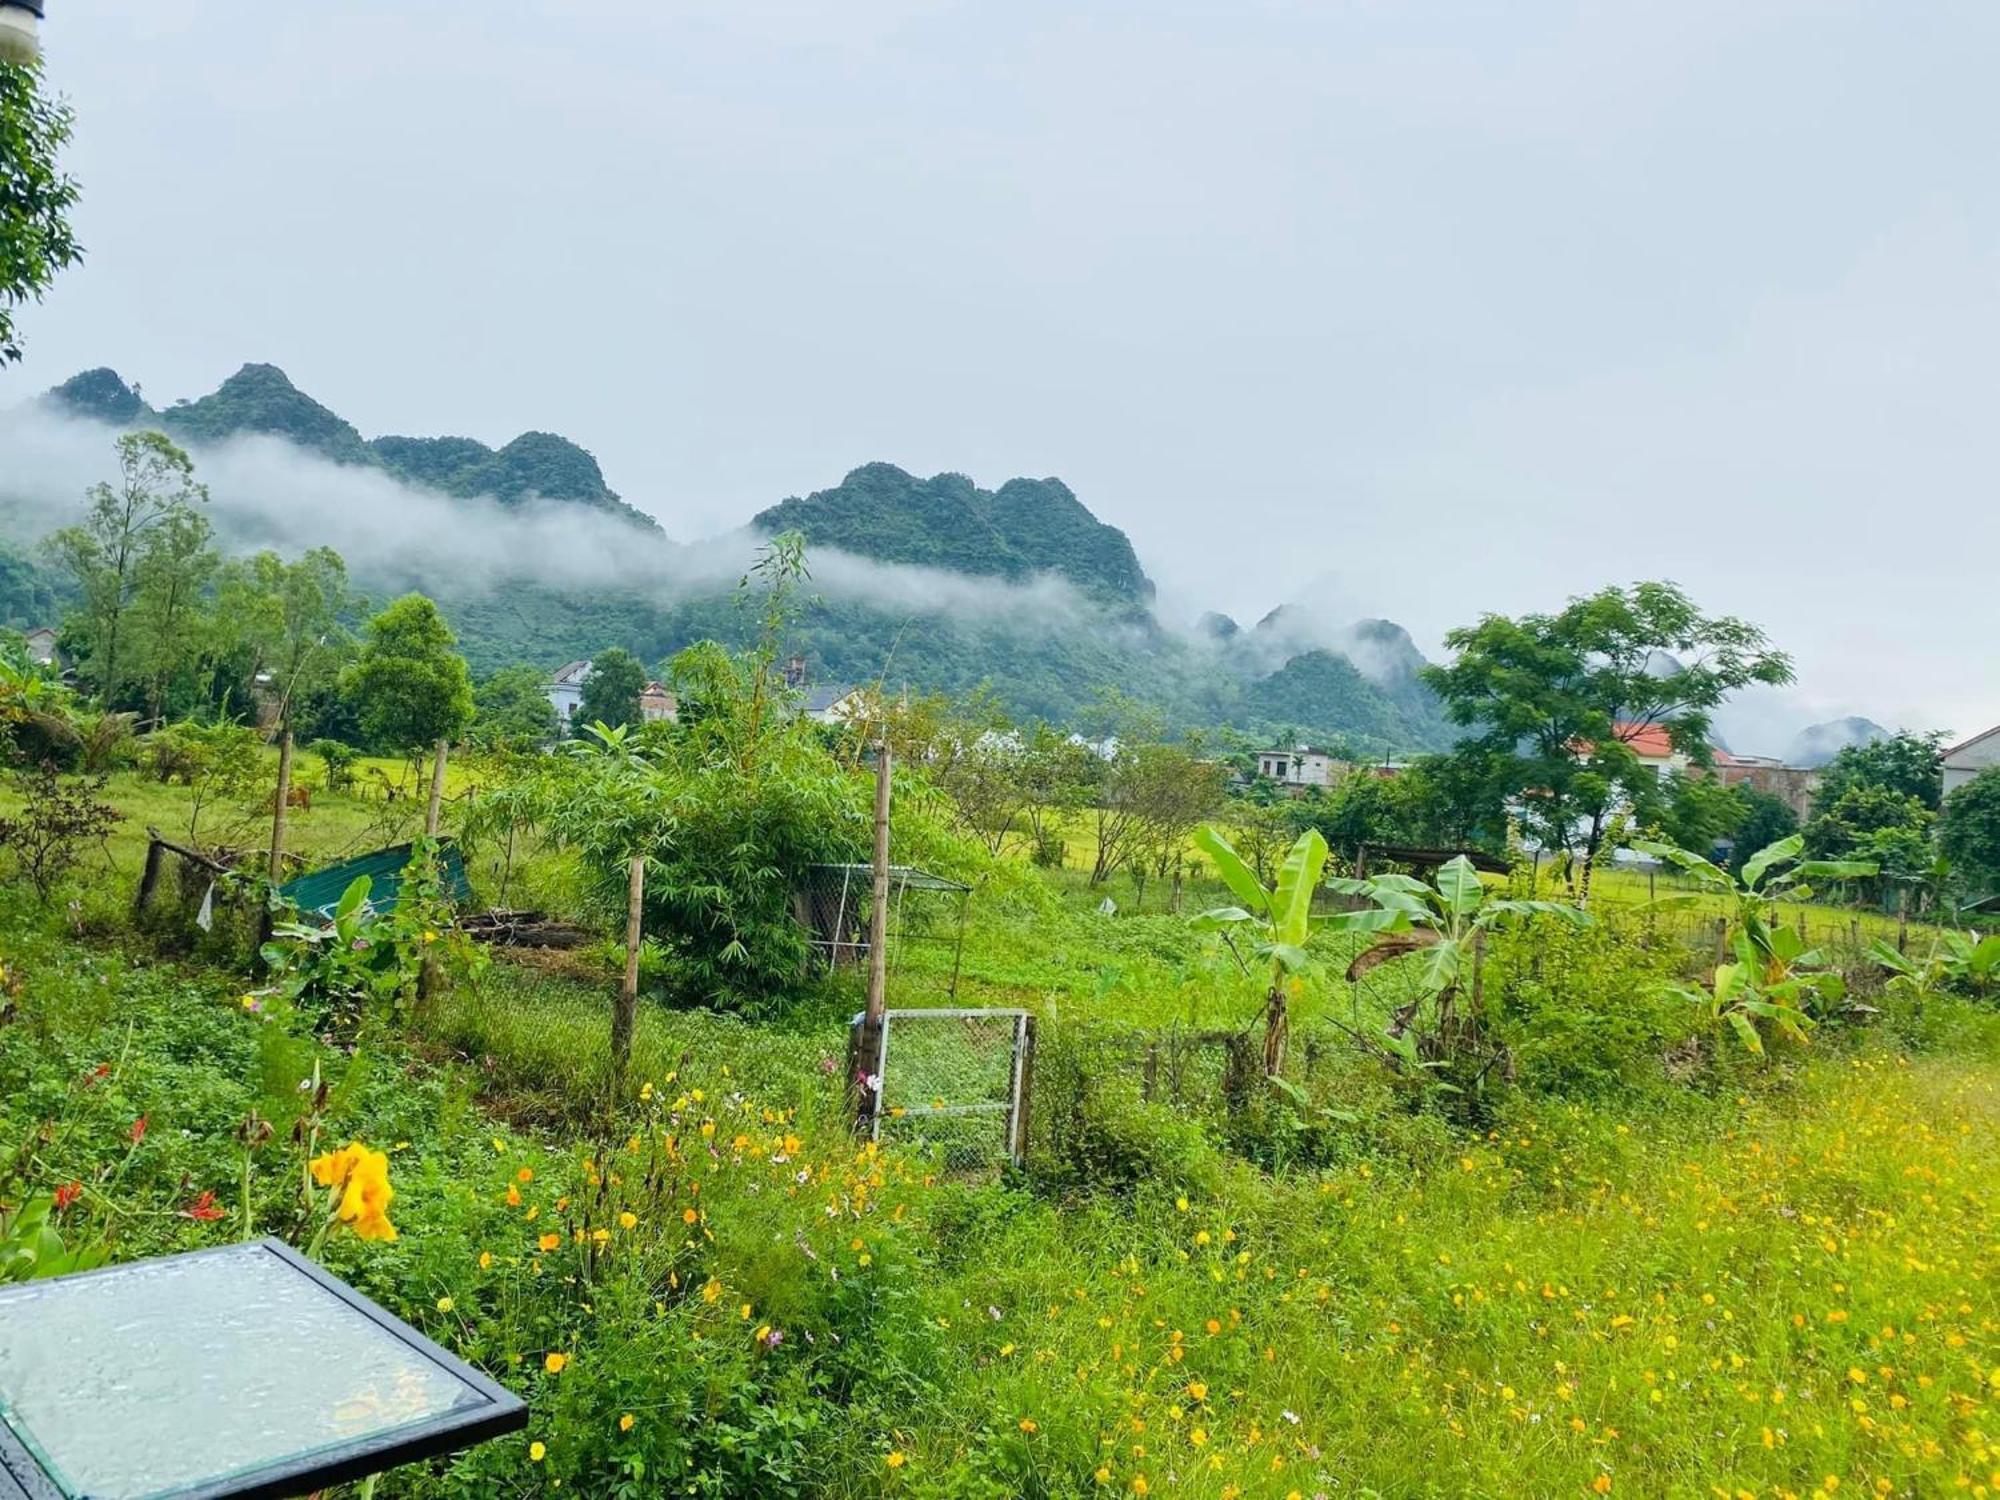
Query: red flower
(67, 1194)
(205, 1209)
(138, 1131)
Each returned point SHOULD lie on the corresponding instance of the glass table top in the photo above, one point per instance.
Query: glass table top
(151, 1378)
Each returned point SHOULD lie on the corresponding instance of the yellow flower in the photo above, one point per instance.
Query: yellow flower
(712, 1290)
(536, 1453)
(332, 1169)
(554, 1363)
(895, 1460)
(485, 1259)
(625, 1422)
(361, 1178)
(1139, 1485)
(1601, 1484)
(1103, 1474)
(688, 1216)
(444, 1304)
(513, 1196)
(1028, 1424)
(628, 1220)
(548, 1242)
(1197, 1391)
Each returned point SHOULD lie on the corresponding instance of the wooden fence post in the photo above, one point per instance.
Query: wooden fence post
(427, 972)
(1903, 921)
(868, 1044)
(277, 864)
(433, 813)
(625, 1014)
(1022, 1111)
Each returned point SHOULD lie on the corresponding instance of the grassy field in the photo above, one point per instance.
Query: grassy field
(1649, 1268)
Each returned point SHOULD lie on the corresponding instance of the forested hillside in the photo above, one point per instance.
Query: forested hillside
(1086, 630)
(261, 399)
(1027, 526)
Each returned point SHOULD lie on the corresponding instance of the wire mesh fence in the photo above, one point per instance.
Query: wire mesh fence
(955, 1082)
(834, 903)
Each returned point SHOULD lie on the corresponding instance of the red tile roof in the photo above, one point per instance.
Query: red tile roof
(1648, 740)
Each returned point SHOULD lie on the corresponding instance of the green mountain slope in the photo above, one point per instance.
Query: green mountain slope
(1358, 681)
(1026, 527)
(261, 399)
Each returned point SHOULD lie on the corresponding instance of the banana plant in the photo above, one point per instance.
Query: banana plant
(1273, 922)
(1777, 976)
(1957, 961)
(1437, 934)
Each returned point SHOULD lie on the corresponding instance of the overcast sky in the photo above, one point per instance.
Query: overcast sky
(1425, 309)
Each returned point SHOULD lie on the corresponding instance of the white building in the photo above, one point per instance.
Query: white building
(1300, 768)
(565, 690)
(1964, 761)
(833, 705)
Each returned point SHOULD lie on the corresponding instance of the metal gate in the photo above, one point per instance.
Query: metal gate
(956, 1081)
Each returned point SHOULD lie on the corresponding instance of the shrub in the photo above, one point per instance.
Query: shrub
(1585, 1011)
(58, 819)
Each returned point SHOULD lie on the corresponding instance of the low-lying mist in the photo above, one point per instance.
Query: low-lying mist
(265, 492)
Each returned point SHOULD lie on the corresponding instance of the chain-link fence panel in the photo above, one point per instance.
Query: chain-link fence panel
(954, 1082)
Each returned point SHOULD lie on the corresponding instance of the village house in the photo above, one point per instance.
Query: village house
(833, 704)
(565, 694)
(658, 705)
(1792, 785)
(42, 646)
(1655, 748)
(1300, 769)
(565, 691)
(1966, 760)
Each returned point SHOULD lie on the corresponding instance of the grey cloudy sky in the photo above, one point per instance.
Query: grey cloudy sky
(1424, 308)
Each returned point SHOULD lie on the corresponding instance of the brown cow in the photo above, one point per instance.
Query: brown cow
(297, 795)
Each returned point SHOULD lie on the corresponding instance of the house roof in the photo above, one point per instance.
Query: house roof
(569, 674)
(1651, 741)
(820, 699)
(1968, 744)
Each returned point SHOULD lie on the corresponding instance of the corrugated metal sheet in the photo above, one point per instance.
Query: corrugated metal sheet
(320, 890)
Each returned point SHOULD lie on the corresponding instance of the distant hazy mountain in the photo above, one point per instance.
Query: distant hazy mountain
(1295, 671)
(1818, 744)
(1025, 527)
(261, 399)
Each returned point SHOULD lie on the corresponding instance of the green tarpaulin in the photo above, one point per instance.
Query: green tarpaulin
(320, 890)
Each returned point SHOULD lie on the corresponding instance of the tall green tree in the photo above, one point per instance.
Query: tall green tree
(1555, 699)
(1877, 823)
(1970, 832)
(611, 691)
(512, 710)
(106, 554)
(170, 618)
(1766, 820)
(411, 687)
(286, 620)
(1908, 765)
(35, 196)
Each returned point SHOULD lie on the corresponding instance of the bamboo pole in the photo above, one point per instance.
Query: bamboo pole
(284, 793)
(625, 1014)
